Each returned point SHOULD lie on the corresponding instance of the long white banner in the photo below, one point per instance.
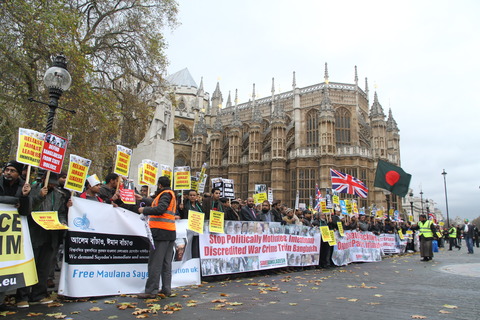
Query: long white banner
(250, 246)
(106, 252)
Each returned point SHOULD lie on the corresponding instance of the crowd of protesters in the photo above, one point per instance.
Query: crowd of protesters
(42, 195)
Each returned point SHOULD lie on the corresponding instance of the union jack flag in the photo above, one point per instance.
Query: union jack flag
(345, 183)
(431, 216)
(318, 198)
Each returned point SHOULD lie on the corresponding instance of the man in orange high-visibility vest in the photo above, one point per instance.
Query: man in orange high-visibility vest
(162, 224)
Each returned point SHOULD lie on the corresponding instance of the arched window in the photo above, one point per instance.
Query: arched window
(342, 126)
(180, 161)
(312, 129)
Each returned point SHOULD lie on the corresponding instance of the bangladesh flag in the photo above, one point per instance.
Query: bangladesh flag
(392, 178)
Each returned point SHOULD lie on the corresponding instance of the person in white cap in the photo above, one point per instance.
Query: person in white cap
(92, 187)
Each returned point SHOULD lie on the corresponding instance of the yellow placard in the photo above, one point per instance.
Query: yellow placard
(195, 221)
(30, 145)
(348, 204)
(48, 220)
(441, 223)
(150, 170)
(333, 241)
(323, 205)
(182, 179)
(439, 235)
(410, 218)
(379, 213)
(400, 234)
(325, 234)
(258, 198)
(122, 162)
(11, 244)
(216, 221)
(355, 207)
(340, 229)
(77, 173)
(336, 200)
(409, 232)
(141, 182)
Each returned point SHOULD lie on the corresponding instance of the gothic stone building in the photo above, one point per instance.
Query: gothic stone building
(289, 140)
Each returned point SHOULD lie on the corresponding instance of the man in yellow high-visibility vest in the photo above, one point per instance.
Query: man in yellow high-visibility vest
(452, 237)
(427, 232)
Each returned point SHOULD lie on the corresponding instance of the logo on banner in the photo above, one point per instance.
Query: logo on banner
(82, 223)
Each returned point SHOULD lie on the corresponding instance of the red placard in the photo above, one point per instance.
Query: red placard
(53, 152)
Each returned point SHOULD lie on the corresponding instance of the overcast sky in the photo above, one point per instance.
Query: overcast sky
(422, 58)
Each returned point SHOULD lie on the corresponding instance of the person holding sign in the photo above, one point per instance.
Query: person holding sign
(212, 203)
(324, 262)
(14, 190)
(162, 224)
(108, 191)
(46, 197)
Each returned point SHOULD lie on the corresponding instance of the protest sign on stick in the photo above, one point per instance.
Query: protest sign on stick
(77, 173)
(53, 153)
(30, 145)
(122, 161)
(182, 178)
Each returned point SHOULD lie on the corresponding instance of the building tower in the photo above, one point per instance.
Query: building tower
(278, 149)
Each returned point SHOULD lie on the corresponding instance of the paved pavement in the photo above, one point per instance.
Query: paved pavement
(399, 287)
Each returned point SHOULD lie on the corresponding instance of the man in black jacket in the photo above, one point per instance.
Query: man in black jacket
(248, 212)
(14, 191)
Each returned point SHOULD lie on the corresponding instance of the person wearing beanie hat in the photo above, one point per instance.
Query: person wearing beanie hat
(14, 191)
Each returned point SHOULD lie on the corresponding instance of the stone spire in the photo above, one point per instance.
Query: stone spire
(326, 73)
(273, 96)
(391, 123)
(256, 115)
(376, 110)
(236, 119)
(229, 100)
(200, 91)
(326, 104)
(294, 82)
(217, 93)
(366, 87)
(356, 76)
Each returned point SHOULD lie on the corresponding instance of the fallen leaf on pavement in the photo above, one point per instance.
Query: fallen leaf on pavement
(54, 304)
(416, 316)
(449, 306)
(140, 311)
(112, 317)
(444, 311)
(57, 315)
(378, 295)
(110, 301)
(224, 295)
(293, 303)
(352, 300)
(218, 300)
(34, 314)
(142, 316)
(95, 309)
(342, 298)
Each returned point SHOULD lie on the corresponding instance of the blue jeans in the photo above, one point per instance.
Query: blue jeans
(469, 241)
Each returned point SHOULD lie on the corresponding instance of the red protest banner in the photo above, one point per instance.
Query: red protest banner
(53, 152)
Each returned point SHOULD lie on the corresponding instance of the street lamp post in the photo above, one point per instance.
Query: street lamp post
(411, 202)
(56, 79)
(444, 174)
(421, 200)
